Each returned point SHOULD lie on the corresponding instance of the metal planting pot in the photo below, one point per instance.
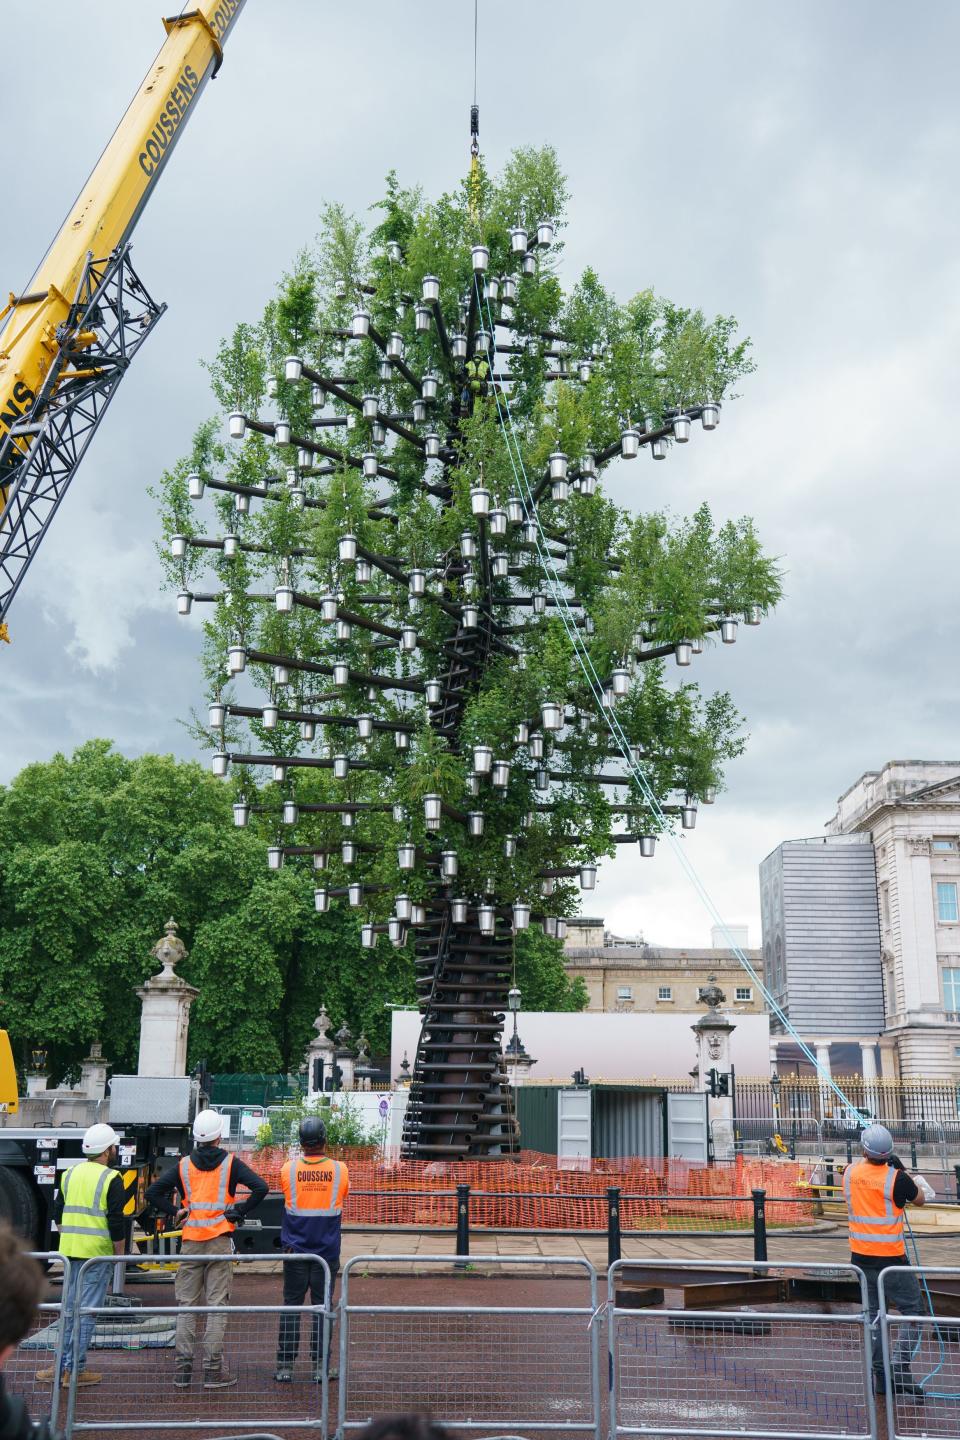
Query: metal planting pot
(468, 545)
(370, 464)
(471, 617)
(283, 597)
(648, 844)
(270, 715)
(272, 388)
(518, 240)
(308, 729)
(396, 931)
(481, 342)
(559, 490)
(475, 823)
(561, 929)
(588, 877)
(178, 546)
(347, 548)
(709, 795)
(354, 893)
(620, 680)
(482, 759)
(231, 544)
(320, 860)
(236, 659)
(399, 813)
(500, 774)
(550, 926)
(184, 602)
(394, 252)
(547, 887)
(458, 911)
(417, 582)
(433, 691)
(304, 458)
(688, 816)
(480, 257)
(291, 812)
(509, 846)
(430, 288)
(401, 740)
(588, 484)
(545, 232)
(298, 497)
(364, 726)
(696, 645)
(629, 443)
(341, 673)
(274, 857)
(368, 936)
(541, 779)
(348, 851)
(292, 368)
(364, 571)
(449, 864)
(432, 807)
(539, 602)
(523, 733)
(236, 425)
(683, 652)
(408, 639)
(422, 319)
(384, 370)
(419, 411)
(536, 747)
(492, 289)
(458, 346)
(530, 533)
(551, 716)
(195, 486)
(521, 915)
(529, 264)
(403, 907)
(369, 407)
(241, 813)
(341, 767)
(216, 715)
(281, 432)
(361, 323)
(321, 899)
(473, 783)
(728, 630)
(428, 386)
(431, 445)
(500, 565)
(752, 615)
(497, 521)
(681, 429)
(344, 629)
(406, 856)
(558, 464)
(279, 774)
(486, 919)
(395, 346)
(658, 448)
(710, 415)
(508, 287)
(328, 608)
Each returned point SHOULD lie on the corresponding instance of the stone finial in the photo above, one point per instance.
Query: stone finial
(344, 1040)
(322, 1024)
(169, 951)
(711, 994)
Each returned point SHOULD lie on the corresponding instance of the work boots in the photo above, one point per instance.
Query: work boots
(216, 1376)
(183, 1373)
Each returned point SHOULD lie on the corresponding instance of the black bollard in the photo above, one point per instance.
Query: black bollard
(463, 1219)
(956, 1171)
(913, 1154)
(849, 1152)
(613, 1223)
(759, 1224)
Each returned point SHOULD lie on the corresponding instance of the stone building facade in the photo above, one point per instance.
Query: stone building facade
(629, 975)
(910, 810)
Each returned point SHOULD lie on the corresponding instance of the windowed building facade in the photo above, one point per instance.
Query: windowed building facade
(630, 975)
(910, 809)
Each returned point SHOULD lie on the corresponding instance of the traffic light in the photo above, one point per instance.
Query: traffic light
(719, 1084)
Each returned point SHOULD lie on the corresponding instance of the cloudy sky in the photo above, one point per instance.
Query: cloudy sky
(793, 164)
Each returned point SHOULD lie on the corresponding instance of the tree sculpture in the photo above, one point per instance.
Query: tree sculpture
(417, 425)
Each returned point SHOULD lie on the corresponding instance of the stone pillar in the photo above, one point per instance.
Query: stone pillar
(319, 1057)
(868, 1066)
(827, 1096)
(93, 1073)
(165, 1017)
(344, 1056)
(713, 1031)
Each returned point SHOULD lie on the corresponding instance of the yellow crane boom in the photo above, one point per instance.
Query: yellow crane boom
(58, 346)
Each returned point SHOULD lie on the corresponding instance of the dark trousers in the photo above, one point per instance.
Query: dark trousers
(903, 1294)
(299, 1276)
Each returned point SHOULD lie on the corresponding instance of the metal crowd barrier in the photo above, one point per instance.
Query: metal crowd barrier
(923, 1350)
(768, 1369)
(509, 1368)
(42, 1349)
(133, 1348)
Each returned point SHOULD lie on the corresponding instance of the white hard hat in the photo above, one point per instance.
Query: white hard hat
(99, 1138)
(207, 1127)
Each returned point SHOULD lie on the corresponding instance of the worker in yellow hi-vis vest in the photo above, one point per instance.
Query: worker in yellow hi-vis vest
(89, 1216)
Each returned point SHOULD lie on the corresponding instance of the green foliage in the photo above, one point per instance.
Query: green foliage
(345, 1127)
(639, 583)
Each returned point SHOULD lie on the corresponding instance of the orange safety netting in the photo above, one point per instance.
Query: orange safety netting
(534, 1192)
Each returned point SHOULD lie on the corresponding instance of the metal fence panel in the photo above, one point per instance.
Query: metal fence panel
(26, 1370)
(929, 1343)
(761, 1370)
(471, 1367)
(133, 1349)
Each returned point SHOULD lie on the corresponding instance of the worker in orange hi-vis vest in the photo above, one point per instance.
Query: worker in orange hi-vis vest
(876, 1189)
(314, 1189)
(207, 1181)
